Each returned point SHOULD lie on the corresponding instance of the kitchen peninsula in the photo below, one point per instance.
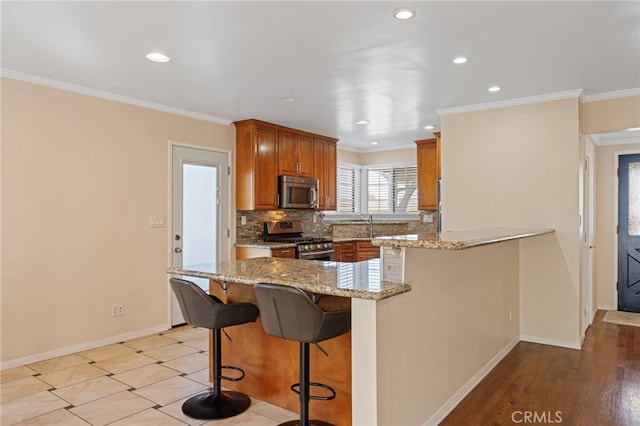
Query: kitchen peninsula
(416, 347)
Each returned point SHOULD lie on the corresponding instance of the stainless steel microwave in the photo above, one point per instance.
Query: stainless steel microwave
(297, 192)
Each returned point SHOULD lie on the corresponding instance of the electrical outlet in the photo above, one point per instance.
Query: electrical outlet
(117, 309)
(243, 220)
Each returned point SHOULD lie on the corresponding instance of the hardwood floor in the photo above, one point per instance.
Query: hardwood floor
(540, 384)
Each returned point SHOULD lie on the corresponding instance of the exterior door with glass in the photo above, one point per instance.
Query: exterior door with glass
(629, 233)
(199, 211)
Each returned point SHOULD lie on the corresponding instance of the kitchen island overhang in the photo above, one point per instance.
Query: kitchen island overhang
(416, 347)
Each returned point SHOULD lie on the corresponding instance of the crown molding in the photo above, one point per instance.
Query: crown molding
(569, 94)
(42, 81)
(612, 95)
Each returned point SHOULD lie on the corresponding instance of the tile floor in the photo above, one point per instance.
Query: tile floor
(137, 382)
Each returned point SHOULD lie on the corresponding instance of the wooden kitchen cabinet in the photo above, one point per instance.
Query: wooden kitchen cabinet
(289, 252)
(344, 252)
(326, 171)
(366, 251)
(265, 151)
(251, 252)
(256, 166)
(295, 155)
(355, 251)
(428, 164)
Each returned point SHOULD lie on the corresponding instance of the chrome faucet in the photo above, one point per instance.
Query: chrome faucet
(370, 225)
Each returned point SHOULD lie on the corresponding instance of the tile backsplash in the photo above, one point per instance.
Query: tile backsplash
(316, 225)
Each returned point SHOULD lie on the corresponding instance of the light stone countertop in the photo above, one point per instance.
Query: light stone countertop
(359, 280)
(264, 244)
(458, 240)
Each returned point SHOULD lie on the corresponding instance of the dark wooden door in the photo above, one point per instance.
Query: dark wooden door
(629, 233)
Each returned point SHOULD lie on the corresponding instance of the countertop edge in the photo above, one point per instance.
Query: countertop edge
(430, 242)
(396, 290)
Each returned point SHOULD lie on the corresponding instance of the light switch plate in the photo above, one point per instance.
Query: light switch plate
(156, 221)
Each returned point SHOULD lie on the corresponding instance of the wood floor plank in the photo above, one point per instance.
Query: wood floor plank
(597, 385)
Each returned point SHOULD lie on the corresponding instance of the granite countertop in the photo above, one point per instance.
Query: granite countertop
(359, 280)
(458, 240)
(264, 244)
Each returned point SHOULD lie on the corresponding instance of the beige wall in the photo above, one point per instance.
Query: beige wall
(395, 156)
(427, 348)
(610, 115)
(519, 166)
(80, 178)
(605, 238)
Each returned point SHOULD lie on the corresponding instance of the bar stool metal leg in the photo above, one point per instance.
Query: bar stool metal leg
(216, 404)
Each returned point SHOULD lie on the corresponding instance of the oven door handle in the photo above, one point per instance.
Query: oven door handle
(316, 253)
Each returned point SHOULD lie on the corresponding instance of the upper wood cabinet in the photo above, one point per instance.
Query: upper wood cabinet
(428, 156)
(326, 171)
(295, 155)
(256, 167)
(265, 151)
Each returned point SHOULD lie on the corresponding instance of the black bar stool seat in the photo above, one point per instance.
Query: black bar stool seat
(207, 311)
(289, 313)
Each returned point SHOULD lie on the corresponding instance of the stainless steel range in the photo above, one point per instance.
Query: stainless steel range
(310, 248)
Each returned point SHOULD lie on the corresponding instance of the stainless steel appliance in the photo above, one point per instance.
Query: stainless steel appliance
(297, 192)
(309, 248)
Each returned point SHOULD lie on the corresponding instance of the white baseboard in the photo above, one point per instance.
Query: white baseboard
(457, 397)
(30, 359)
(551, 342)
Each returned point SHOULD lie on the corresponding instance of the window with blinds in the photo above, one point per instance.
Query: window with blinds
(382, 190)
(392, 190)
(349, 186)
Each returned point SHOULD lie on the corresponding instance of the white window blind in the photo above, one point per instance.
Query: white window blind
(349, 184)
(377, 190)
(392, 190)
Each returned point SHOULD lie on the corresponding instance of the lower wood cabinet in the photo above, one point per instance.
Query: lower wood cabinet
(355, 251)
(344, 252)
(366, 251)
(251, 252)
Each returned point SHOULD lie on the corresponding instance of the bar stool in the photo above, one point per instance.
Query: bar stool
(207, 311)
(289, 313)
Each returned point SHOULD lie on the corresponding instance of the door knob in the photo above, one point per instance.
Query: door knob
(177, 250)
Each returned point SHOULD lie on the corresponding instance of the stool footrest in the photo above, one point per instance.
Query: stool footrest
(232, 379)
(296, 388)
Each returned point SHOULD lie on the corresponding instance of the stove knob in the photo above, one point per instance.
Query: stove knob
(303, 248)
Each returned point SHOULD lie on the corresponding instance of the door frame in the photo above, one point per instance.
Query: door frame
(587, 230)
(616, 162)
(230, 203)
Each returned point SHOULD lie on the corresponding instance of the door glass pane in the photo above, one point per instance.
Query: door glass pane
(199, 210)
(634, 199)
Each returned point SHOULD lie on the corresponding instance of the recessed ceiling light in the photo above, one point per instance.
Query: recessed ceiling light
(404, 13)
(460, 60)
(158, 57)
(288, 99)
(362, 122)
(494, 88)
(633, 129)
(374, 143)
(429, 127)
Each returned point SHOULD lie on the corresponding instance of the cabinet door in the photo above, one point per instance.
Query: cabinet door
(287, 154)
(305, 156)
(289, 252)
(344, 252)
(428, 170)
(366, 251)
(331, 176)
(325, 170)
(266, 178)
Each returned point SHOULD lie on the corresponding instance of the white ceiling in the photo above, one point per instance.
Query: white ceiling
(343, 61)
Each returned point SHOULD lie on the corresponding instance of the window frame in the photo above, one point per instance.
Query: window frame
(362, 168)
